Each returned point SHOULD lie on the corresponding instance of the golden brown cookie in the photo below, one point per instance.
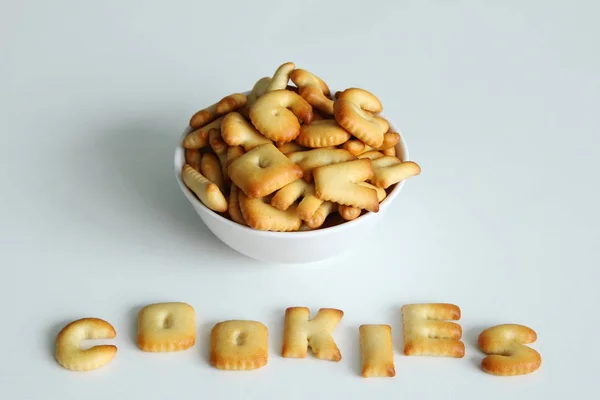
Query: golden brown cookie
(69, 353)
(210, 167)
(289, 194)
(239, 345)
(231, 103)
(281, 77)
(340, 183)
(313, 89)
(322, 133)
(356, 147)
(389, 152)
(236, 131)
(362, 98)
(263, 170)
(301, 333)
(508, 355)
(349, 213)
(216, 142)
(234, 206)
(209, 193)
(376, 351)
(426, 334)
(373, 154)
(220, 148)
(166, 327)
(225, 105)
(381, 193)
(290, 147)
(261, 215)
(276, 115)
(318, 218)
(311, 159)
(193, 156)
(390, 139)
(199, 138)
(390, 170)
(259, 88)
(360, 123)
(233, 153)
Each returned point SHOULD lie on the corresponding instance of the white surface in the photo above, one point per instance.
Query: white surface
(498, 102)
(291, 247)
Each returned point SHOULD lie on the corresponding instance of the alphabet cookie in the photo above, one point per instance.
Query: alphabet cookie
(234, 206)
(236, 131)
(508, 354)
(356, 147)
(239, 345)
(362, 98)
(210, 167)
(290, 147)
(290, 193)
(301, 333)
(199, 138)
(263, 170)
(322, 133)
(313, 89)
(276, 115)
(68, 345)
(209, 193)
(390, 170)
(281, 77)
(225, 105)
(166, 327)
(349, 213)
(193, 156)
(361, 124)
(376, 351)
(233, 153)
(261, 215)
(259, 88)
(389, 152)
(311, 159)
(319, 216)
(426, 334)
(340, 183)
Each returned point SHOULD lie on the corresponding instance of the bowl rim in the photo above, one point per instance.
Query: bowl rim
(179, 162)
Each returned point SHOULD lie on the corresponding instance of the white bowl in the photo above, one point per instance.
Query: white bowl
(290, 247)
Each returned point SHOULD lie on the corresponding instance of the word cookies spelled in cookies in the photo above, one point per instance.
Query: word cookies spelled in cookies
(429, 329)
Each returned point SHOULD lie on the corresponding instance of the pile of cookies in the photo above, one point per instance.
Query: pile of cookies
(289, 155)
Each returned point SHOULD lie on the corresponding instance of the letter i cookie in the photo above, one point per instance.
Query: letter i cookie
(166, 327)
(376, 351)
(427, 334)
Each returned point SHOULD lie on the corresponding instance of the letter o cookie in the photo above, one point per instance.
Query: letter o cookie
(166, 327)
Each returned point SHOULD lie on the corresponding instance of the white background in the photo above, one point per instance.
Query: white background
(498, 102)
